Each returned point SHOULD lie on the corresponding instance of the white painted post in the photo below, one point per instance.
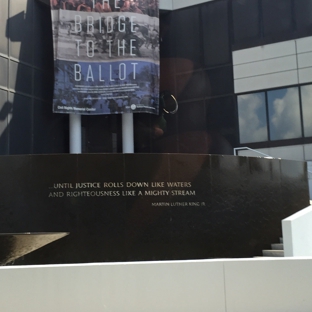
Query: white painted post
(127, 133)
(74, 134)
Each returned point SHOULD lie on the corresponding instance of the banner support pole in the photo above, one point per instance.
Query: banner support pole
(74, 134)
(127, 133)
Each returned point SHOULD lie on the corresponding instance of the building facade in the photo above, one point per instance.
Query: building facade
(240, 70)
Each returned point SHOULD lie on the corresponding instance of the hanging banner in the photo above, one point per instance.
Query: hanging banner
(106, 56)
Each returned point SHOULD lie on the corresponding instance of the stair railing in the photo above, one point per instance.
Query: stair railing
(250, 149)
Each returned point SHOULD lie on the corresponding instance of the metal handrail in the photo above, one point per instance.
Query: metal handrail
(250, 149)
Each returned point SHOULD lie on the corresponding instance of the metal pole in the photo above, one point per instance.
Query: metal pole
(127, 133)
(74, 134)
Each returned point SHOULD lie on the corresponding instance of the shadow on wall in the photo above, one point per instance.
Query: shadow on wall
(29, 126)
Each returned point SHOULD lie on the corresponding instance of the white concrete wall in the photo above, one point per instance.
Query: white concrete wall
(304, 57)
(273, 65)
(165, 4)
(240, 285)
(297, 234)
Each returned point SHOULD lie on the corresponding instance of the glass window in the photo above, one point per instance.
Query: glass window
(191, 85)
(187, 35)
(252, 118)
(284, 114)
(5, 109)
(21, 118)
(219, 81)
(220, 112)
(245, 20)
(192, 116)
(276, 16)
(214, 17)
(306, 98)
(303, 14)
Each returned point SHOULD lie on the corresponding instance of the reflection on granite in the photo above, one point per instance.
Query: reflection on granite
(16, 245)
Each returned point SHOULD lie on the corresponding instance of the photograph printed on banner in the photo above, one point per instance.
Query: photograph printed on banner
(148, 7)
(106, 56)
(95, 36)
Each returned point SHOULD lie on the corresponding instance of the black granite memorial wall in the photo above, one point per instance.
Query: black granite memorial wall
(133, 207)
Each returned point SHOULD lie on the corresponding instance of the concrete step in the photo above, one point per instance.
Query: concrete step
(273, 253)
(277, 246)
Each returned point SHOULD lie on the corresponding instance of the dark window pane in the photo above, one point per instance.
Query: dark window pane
(215, 33)
(303, 14)
(43, 53)
(222, 120)
(284, 114)
(252, 118)
(306, 98)
(20, 77)
(20, 125)
(276, 16)
(191, 86)
(167, 42)
(192, 116)
(187, 35)
(50, 133)
(43, 84)
(5, 108)
(245, 20)
(219, 81)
